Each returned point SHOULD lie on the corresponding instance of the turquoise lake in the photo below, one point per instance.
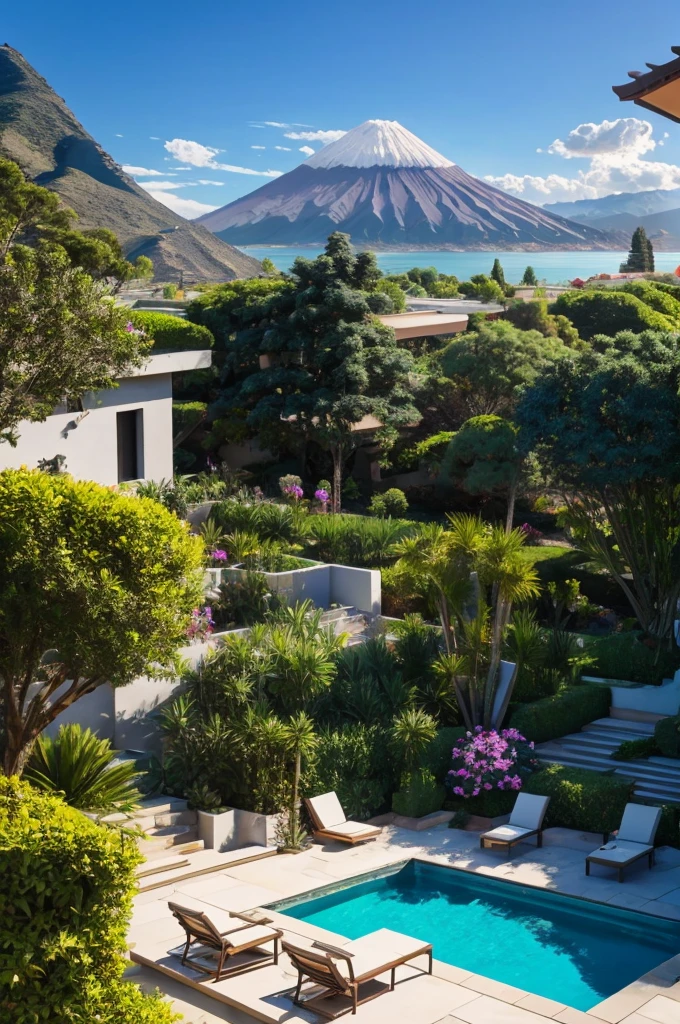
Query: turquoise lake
(553, 267)
(567, 949)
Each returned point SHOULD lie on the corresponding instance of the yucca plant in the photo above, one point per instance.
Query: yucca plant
(78, 766)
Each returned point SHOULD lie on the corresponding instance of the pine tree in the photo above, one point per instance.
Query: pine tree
(530, 277)
(497, 274)
(641, 255)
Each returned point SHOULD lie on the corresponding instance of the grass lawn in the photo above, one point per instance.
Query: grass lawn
(542, 553)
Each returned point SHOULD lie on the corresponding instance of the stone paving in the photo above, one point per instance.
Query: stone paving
(451, 996)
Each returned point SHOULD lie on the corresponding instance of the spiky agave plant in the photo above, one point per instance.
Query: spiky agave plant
(78, 765)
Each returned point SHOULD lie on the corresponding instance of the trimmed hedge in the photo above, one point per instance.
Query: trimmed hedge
(667, 736)
(486, 805)
(437, 758)
(171, 333)
(66, 888)
(625, 656)
(581, 799)
(566, 712)
(421, 795)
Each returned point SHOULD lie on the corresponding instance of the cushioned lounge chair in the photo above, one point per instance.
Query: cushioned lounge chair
(329, 821)
(347, 975)
(228, 934)
(526, 820)
(634, 840)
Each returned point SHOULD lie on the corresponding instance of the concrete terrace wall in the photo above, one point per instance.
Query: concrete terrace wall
(323, 584)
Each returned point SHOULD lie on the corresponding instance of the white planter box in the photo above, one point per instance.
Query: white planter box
(218, 831)
(254, 829)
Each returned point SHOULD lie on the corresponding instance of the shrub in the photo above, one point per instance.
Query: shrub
(627, 656)
(268, 520)
(244, 600)
(392, 502)
(420, 794)
(566, 712)
(667, 736)
(437, 756)
(487, 761)
(356, 540)
(356, 762)
(402, 592)
(66, 888)
(631, 750)
(187, 414)
(593, 312)
(171, 333)
(668, 832)
(78, 765)
(580, 799)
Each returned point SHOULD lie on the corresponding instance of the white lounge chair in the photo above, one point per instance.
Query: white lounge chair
(634, 840)
(329, 821)
(347, 975)
(526, 820)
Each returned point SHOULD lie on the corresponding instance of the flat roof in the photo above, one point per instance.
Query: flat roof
(657, 89)
(172, 362)
(424, 323)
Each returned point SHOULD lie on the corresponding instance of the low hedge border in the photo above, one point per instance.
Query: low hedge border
(565, 712)
(581, 799)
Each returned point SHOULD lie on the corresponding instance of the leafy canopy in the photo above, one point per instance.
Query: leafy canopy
(490, 364)
(97, 586)
(597, 312)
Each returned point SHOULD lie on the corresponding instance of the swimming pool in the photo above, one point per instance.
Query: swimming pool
(567, 949)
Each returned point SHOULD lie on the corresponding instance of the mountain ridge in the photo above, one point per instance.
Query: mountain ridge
(40, 133)
(386, 187)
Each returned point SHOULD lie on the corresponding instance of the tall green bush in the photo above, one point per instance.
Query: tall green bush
(566, 712)
(356, 762)
(667, 736)
(171, 333)
(626, 656)
(66, 888)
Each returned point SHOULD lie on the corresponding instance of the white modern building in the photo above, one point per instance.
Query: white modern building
(111, 436)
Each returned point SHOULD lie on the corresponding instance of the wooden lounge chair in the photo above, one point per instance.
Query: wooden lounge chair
(347, 975)
(329, 821)
(526, 820)
(634, 840)
(228, 934)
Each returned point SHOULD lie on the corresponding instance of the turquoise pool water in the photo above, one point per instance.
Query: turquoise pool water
(556, 946)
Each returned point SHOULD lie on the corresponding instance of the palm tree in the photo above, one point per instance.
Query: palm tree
(301, 740)
(411, 732)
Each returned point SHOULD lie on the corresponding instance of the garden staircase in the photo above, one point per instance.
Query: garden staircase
(167, 825)
(657, 779)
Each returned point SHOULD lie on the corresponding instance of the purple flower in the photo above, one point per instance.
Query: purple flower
(322, 496)
(294, 491)
(219, 555)
(459, 791)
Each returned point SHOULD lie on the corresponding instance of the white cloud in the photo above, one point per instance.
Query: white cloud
(178, 167)
(202, 181)
(188, 208)
(321, 136)
(258, 147)
(156, 138)
(307, 150)
(278, 124)
(286, 149)
(626, 135)
(615, 151)
(164, 185)
(143, 171)
(119, 136)
(197, 155)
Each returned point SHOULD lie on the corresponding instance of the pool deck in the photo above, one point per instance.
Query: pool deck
(451, 995)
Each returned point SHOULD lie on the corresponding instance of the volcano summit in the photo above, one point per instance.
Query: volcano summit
(383, 185)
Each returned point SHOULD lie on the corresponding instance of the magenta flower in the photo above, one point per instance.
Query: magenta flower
(490, 760)
(294, 491)
(322, 496)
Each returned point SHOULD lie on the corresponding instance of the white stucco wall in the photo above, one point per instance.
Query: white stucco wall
(90, 442)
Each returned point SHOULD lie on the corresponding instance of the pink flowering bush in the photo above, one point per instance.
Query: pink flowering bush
(293, 491)
(531, 534)
(219, 555)
(485, 761)
(201, 625)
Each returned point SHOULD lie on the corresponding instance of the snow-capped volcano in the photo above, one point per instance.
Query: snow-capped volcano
(383, 185)
(378, 144)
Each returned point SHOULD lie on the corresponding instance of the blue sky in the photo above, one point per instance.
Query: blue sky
(499, 88)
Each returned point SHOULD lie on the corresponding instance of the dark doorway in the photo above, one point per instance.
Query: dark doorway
(130, 432)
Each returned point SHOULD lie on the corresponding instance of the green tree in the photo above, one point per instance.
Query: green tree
(498, 275)
(483, 457)
(606, 427)
(529, 277)
(98, 252)
(330, 364)
(490, 291)
(395, 293)
(490, 364)
(60, 336)
(97, 587)
(596, 312)
(269, 267)
(641, 254)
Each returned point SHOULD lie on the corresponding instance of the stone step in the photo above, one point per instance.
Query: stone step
(161, 805)
(621, 725)
(638, 769)
(609, 736)
(156, 865)
(664, 794)
(167, 837)
(205, 862)
(669, 762)
(176, 818)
